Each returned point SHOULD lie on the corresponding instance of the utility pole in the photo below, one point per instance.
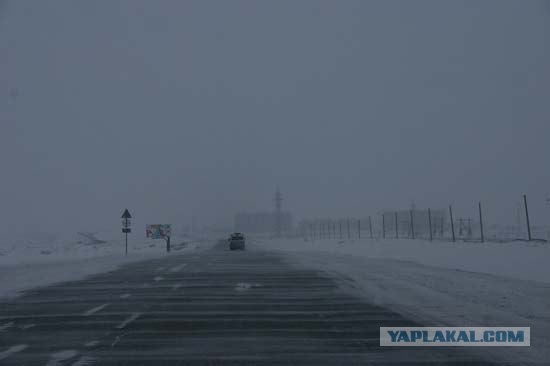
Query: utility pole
(527, 217)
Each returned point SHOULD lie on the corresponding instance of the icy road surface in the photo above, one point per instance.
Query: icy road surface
(214, 308)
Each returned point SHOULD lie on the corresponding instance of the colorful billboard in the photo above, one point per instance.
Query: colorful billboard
(158, 231)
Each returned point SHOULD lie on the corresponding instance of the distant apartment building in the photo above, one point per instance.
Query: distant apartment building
(262, 222)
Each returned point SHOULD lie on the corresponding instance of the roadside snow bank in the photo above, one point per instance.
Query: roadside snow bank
(521, 260)
(32, 263)
(438, 283)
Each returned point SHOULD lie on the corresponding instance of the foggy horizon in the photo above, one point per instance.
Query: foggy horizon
(194, 110)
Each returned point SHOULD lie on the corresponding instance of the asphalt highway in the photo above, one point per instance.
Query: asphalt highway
(215, 307)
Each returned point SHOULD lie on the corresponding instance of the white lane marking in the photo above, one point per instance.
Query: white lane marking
(160, 269)
(27, 326)
(158, 278)
(178, 267)
(117, 339)
(125, 296)
(176, 286)
(91, 343)
(59, 358)
(13, 349)
(243, 286)
(6, 326)
(84, 361)
(95, 310)
(130, 319)
(146, 285)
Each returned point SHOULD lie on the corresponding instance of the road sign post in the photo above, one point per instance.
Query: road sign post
(126, 223)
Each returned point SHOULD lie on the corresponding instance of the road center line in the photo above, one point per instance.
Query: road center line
(158, 278)
(95, 310)
(125, 296)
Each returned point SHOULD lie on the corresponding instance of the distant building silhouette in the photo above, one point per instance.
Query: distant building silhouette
(263, 222)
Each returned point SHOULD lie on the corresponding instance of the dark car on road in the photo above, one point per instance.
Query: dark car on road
(236, 241)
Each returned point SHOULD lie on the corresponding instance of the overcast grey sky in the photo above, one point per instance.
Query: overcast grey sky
(202, 108)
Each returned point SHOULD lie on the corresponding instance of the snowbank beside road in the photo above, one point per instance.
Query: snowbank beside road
(521, 260)
(453, 284)
(32, 263)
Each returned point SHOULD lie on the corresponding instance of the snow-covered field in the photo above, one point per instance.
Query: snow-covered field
(442, 283)
(25, 264)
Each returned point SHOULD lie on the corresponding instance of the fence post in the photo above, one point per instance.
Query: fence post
(481, 223)
(383, 226)
(396, 226)
(527, 217)
(452, 223)
(370, 226)
(430, 223)
(412, 223)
